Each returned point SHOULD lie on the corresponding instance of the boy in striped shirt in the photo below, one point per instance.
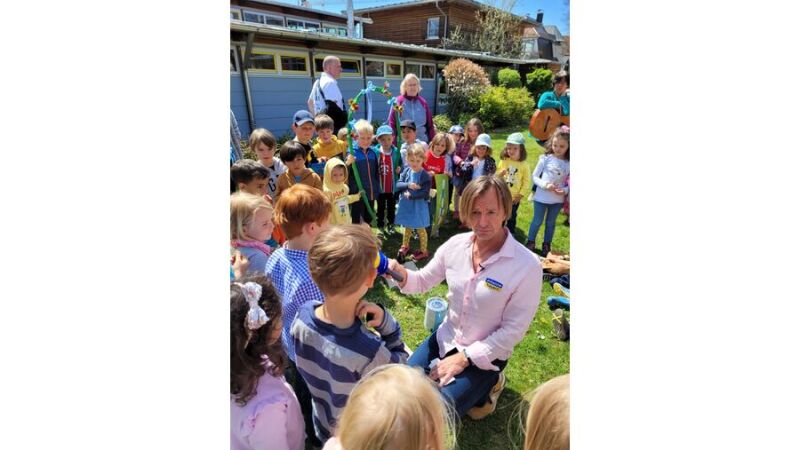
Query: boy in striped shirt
(333, 348)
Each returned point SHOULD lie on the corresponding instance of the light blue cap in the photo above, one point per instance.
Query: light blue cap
(383, 129)
(515, 138)
(484, 139)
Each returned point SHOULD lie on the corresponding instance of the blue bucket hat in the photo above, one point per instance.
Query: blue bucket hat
(383, 129)
(456, 129)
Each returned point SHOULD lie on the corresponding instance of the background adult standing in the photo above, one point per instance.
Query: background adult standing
(325, 96)
(415, 108)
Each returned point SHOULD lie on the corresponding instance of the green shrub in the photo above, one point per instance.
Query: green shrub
(466, 81)
(501, 107)
(539, 81)
(509, 78)
(442, 122)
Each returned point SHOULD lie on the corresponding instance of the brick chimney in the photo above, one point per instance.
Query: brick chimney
(539, 16)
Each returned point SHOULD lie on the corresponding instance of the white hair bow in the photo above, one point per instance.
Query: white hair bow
(256, 317)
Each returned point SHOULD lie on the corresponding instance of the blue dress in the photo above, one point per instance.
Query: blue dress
(413, 212)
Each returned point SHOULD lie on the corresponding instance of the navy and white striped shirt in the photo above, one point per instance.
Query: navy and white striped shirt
(288, 270)
(331, 360)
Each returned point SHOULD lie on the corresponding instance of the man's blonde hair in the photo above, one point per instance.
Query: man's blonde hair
(341, 257)
(547, 427)
(480, 186)
(362, 126)
(396, 407)
(243, 208)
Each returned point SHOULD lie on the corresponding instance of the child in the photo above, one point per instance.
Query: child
(549, 176)
(333, 348)
(515, 173)
(327, 145)
(294, 156)
(264, 410)
(251, 225)
(566, 202)
(390, 166)
(408, 130)
(342, 134)
(474, 128)
(479, 162)
(438, 161)
(303, 129)
(334, 185)
(249, 176)
(264, 143)
(412, 210)
(366, 168)
(394, 406)
(302, 212)
(547, 427)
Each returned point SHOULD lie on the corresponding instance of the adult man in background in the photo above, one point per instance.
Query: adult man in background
(325, 95)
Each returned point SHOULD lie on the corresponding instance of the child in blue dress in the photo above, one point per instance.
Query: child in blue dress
(414, 188)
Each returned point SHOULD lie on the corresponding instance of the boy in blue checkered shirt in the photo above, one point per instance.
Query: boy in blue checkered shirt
(302, 213)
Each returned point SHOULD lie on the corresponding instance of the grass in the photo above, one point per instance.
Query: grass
(536, 359)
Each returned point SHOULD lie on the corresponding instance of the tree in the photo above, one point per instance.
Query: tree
(497, 32)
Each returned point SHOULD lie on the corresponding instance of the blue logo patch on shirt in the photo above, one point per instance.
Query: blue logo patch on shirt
(494, 284)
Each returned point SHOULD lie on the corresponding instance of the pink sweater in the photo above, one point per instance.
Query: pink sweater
(269, 421)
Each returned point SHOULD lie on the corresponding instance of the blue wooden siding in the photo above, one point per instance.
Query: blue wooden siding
(239, 105)
(275, 100)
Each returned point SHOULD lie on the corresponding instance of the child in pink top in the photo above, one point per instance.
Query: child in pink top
(265, 413)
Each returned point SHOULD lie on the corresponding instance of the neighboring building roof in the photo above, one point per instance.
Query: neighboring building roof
(553, 30)
(275, 31)
(318, 11)
(424, 2)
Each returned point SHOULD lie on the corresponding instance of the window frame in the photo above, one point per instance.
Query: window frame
(304, 20)
(293, 55)
(428, 28)
(263, 51)
(264, 15)
(277, 53)
(386, 63)
(321, 57)
(336, 26)
(238, 12)
(419, 73)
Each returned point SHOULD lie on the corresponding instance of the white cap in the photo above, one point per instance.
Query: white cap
(484, 139)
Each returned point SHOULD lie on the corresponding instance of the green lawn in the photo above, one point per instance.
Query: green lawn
(536, 359)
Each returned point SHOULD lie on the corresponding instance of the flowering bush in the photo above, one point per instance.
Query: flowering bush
(466, 81)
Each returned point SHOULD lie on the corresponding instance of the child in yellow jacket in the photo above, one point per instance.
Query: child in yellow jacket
(515, 172)
(334, 185)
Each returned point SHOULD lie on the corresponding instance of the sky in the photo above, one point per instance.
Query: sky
(556, 12)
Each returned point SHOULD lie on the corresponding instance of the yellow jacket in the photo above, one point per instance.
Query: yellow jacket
(333, 148)
(517, 176)
(338, 193)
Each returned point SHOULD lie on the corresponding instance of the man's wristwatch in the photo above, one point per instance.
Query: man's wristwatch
(469, 361)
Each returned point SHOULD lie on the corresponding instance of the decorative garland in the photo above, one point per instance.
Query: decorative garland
(353, 102)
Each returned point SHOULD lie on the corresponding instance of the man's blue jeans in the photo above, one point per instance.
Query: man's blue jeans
(470, 388)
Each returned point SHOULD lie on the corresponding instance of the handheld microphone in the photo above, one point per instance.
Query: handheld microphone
(382, 264)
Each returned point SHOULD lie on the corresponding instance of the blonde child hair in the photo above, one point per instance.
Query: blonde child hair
(417, 151)
(243, 208)
(362, 126)
(341, 257)
(547, 427)
(396, 407)
(449, 143)
(342, 134)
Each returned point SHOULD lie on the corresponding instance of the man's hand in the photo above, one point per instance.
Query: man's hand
(448, 368)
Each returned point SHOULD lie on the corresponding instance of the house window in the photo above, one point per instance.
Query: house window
(333, 29)
(433, 28)
(234, 65)
(262, 61)
(422, 71)
(293, 63)
(428, 72)
(236, 14)
(394, 70)
(263, 19)
(296, 24)
(375, 68)
(350, 67)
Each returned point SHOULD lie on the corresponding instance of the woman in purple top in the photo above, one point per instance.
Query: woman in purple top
(415, 108)
(265, 413)
(494, 285)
